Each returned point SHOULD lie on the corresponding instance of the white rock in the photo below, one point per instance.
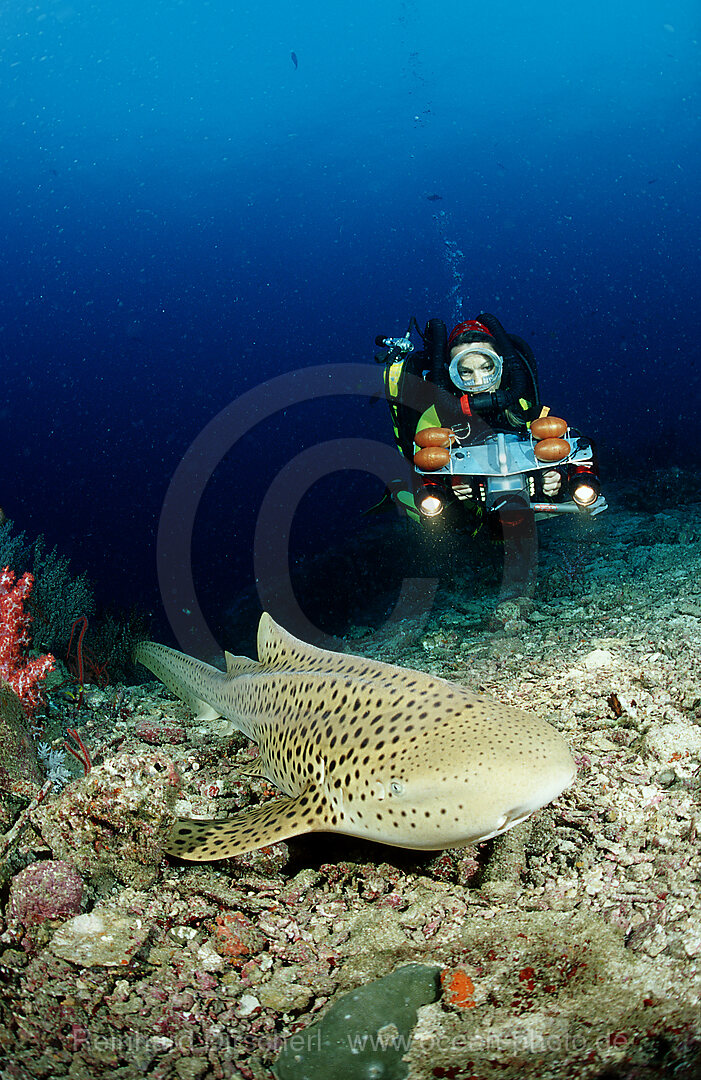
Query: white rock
(598, 658)
(161, 1043)
(102, 939)
(248, 1004)
(673, 740)
(209, 958)
(692, 940)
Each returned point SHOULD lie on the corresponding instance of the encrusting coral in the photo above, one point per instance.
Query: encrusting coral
(49, 889)
(19, 765)
(114, 821)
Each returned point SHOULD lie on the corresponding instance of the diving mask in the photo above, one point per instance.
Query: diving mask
(485, 374)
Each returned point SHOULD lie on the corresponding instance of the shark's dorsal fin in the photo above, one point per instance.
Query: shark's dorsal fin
(279, 650)
(241, 665)
(200, 841)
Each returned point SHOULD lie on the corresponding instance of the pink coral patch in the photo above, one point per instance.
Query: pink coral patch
(21, 674)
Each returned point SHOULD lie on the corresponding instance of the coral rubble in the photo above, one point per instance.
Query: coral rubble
(570, 947)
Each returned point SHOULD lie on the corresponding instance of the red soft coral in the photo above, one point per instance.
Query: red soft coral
(16, 670)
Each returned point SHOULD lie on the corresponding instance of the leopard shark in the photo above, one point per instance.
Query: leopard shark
(361, 747)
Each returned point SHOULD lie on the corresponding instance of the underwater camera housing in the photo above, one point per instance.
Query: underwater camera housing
(504, 472)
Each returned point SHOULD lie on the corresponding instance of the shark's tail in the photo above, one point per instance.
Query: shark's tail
(191, 680)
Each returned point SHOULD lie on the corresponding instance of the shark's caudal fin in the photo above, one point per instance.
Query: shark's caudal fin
(180, 673)
(202, 841)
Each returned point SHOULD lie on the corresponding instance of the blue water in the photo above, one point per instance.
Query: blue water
(186, 215)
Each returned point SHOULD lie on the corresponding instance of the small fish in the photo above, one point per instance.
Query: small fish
(363, 748)
(293, 58)
(434, 197)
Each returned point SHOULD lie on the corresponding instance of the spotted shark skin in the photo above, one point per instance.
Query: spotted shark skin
(362, 748)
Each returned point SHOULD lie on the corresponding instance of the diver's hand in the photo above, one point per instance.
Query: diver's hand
(551, 482)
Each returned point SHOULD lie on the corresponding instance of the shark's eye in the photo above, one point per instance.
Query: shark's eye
(396, 787)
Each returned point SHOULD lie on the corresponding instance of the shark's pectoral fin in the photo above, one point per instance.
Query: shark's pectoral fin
(254, 768)
(202, 841)
(204, 713)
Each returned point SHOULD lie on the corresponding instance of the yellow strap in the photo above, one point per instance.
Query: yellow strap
(393, 374)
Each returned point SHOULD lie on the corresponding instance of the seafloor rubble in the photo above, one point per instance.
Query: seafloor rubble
(568, 947)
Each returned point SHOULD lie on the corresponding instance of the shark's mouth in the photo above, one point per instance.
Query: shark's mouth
(507, 821)
(522, 813)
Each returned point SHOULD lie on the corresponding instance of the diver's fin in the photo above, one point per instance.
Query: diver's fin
(202, 841)
(390, 496)
(382, 506)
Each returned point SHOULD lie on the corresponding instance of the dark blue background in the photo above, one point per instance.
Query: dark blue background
(184, 215)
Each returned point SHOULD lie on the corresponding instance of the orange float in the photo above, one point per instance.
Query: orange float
(548, 427)
(431, 457)
(551, 449)
(434, 436)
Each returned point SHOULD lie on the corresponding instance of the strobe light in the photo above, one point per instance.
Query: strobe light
(585, 490)
(430, 502)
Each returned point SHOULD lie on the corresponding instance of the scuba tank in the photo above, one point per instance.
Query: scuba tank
(436, 346)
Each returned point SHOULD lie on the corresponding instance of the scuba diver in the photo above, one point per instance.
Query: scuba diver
(500, 368)
(467, 415)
